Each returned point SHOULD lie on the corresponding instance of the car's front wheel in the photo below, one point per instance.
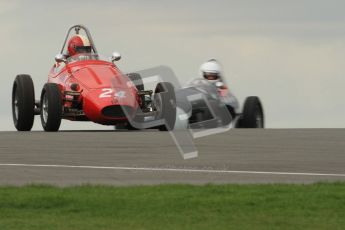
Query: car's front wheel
(165, 105)
(51, 107)
(23, 102)
(137, 80)
(253, 114)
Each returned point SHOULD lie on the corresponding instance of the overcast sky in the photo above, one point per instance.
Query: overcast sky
(289, 53)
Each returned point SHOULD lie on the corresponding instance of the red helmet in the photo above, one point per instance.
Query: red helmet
(78, 44)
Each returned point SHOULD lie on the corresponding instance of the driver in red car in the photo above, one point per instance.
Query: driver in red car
(78, 44)
(78, 49)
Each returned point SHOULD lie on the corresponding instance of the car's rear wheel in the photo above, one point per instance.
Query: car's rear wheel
(125, 126)
(51, 107)
(137, 80)
(252, 115)
(165, 105)
(23, 102)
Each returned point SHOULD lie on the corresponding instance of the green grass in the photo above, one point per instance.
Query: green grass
(317, 206)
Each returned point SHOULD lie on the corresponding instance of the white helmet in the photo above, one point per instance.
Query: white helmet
(211, 70)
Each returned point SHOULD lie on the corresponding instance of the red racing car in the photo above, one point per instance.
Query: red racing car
(83, 87)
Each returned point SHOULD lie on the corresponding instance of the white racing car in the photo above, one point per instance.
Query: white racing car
(202, 104)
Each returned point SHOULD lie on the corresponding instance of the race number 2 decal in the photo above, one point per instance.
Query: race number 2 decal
(106, 93)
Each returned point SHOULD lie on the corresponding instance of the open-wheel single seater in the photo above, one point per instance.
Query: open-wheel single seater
(82, 86)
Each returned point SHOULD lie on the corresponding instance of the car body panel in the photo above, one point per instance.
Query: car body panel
(205, 105)
(101, 84)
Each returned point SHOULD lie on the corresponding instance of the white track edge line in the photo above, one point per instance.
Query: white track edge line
(175, 170)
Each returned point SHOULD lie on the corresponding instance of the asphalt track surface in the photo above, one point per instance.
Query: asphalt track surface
(151, 157)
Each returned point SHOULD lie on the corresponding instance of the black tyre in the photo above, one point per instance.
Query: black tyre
(253, 114)
(126, 126)
(51, 107)
(23, 102)
(136, 79)
(165, 104)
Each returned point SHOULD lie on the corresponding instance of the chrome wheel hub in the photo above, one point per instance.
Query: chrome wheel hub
(158, 102)
(45, 108)
(16, 106)
(258, 120)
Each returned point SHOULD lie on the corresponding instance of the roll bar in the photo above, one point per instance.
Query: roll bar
(77, 28)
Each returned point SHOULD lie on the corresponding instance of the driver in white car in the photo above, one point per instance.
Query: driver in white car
(213, 73)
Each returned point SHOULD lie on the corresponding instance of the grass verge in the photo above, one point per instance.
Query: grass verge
(316, 206)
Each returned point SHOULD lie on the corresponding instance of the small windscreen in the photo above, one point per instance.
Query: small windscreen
(83, 49)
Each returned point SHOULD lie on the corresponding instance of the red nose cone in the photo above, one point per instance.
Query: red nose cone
(104, 108)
